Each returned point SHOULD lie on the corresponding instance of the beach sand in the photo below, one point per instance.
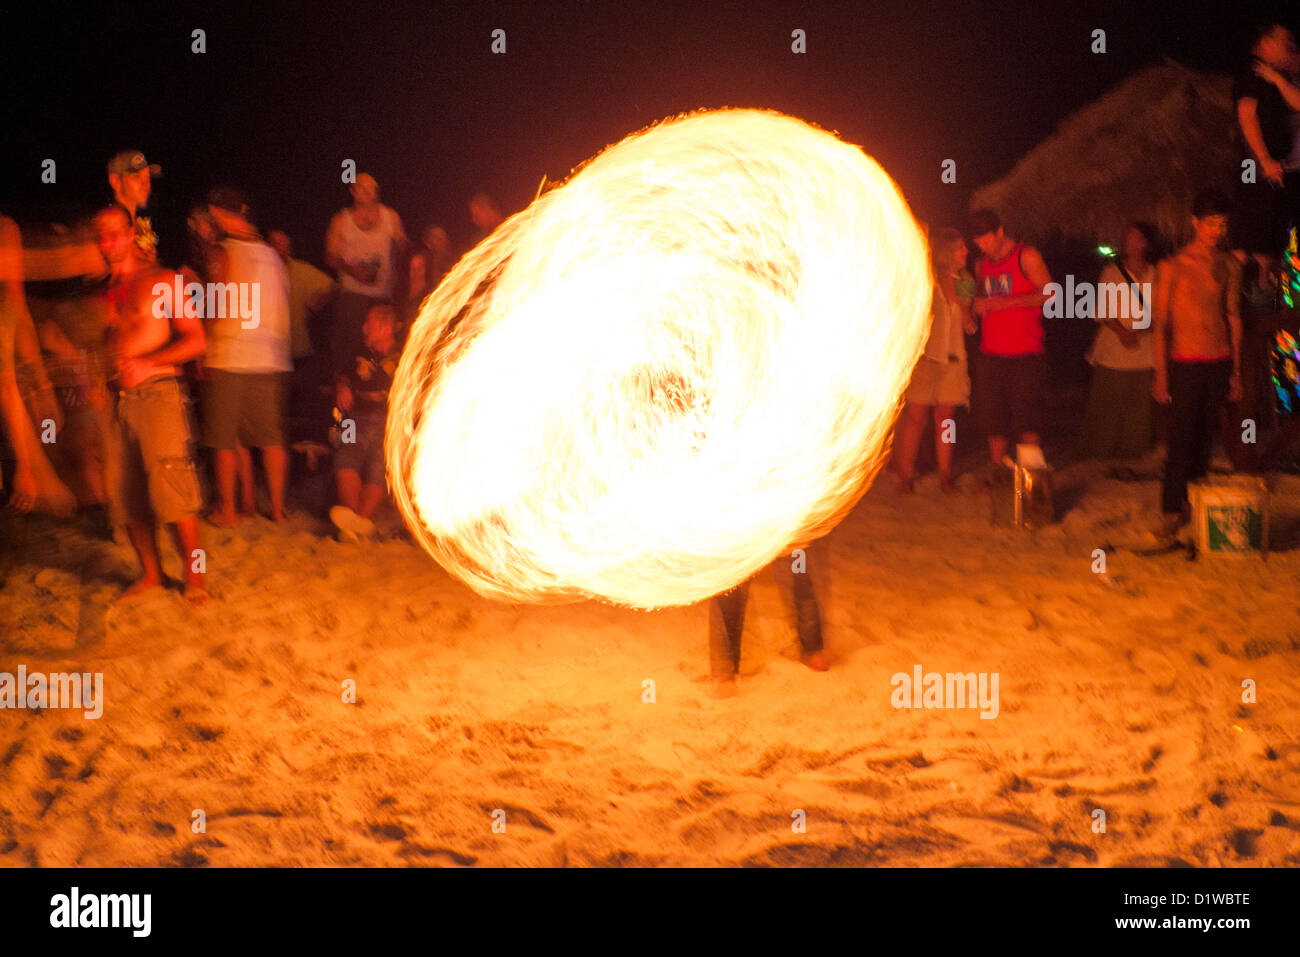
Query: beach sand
(587, 730)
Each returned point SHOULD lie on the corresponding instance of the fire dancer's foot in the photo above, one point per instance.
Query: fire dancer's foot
(221, 518)
(947, 484)
(816, 661)
(248, 508)
(1170, 523)
(905, 484)
(722, 686)
(277, 515)
(142, 584)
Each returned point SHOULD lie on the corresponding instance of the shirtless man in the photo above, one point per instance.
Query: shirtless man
(1197, 351)
(156, 480)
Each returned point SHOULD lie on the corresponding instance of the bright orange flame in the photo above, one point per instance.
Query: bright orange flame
(657, 377)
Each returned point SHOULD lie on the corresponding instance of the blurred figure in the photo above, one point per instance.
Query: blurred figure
(1196, 352)
(1266, 126)
(130, 176)
(940, 382)
(204, 264)
(485, 214)
(363, 244)
(150, 336)
(310, 294)
(1118, 421)
(248, 361)
(429, 263)
(362, 395)
(1012, 370)
(727, 622)
(35, 485)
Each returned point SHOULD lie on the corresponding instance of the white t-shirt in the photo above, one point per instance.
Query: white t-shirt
(357, 245)
(259, 343)
(1107, 350)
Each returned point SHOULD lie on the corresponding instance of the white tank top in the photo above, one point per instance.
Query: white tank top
(259, 343)
(372, 245)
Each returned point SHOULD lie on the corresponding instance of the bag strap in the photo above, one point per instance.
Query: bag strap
(1133, 283)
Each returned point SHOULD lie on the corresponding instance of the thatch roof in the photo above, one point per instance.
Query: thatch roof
(1141, 151)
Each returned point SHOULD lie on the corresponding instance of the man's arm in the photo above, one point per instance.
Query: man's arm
(1160, 322)
(1248, 119)
(1233, 308)
(1036, 272)
(188, 343)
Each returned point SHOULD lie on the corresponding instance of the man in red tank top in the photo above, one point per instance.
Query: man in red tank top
(1010, 367)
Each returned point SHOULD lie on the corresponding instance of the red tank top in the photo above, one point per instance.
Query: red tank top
(1009, 332)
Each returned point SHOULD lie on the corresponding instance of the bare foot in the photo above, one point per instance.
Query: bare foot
(905, 485)
(142, 584)
(277, 515)
(947, 484)
(722, 686)
(221, 519)
(196, 590)
(247, 508)
(816, 661)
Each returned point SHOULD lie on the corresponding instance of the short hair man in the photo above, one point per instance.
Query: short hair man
(150, 336)
(1196, 322)
(248, 361)
(364, 243)
(1012, 370)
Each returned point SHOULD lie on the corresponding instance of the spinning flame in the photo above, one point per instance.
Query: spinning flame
(657, 377)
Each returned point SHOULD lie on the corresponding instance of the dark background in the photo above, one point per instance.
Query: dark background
(412, 92)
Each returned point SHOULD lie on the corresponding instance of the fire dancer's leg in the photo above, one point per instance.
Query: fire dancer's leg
(808, 615)
(726, 624)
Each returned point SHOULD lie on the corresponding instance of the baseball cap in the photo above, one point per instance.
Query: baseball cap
(132, 161)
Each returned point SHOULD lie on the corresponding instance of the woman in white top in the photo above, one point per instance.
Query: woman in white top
(1118, 422)
(940, 381)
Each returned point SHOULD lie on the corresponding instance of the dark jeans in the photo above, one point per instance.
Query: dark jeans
(1196, 391)
(727, 617)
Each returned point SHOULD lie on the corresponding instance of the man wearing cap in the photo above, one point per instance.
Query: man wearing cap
(130, 176)
(364, 242)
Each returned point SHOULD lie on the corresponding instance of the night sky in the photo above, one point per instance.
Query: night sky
(413, 93)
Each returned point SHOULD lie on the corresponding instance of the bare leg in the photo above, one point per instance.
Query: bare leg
(224, 513)
(187, 537)
(909, 442)
(371, 496)
(349, 488)
(151, 573)
(943, 450)
(247, 498)
(276, 464)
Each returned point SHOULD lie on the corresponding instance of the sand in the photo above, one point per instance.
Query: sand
(1119, 693)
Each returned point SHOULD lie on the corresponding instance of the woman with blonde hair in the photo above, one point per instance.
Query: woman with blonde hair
(940, 381)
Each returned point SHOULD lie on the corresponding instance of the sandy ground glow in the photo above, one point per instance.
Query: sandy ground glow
(1121, 693)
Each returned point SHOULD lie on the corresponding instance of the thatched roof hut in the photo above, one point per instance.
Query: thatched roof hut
(1141, 151)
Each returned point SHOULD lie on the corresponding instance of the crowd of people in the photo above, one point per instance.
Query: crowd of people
(263, 351)
(284, 342)
(1175, 342)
